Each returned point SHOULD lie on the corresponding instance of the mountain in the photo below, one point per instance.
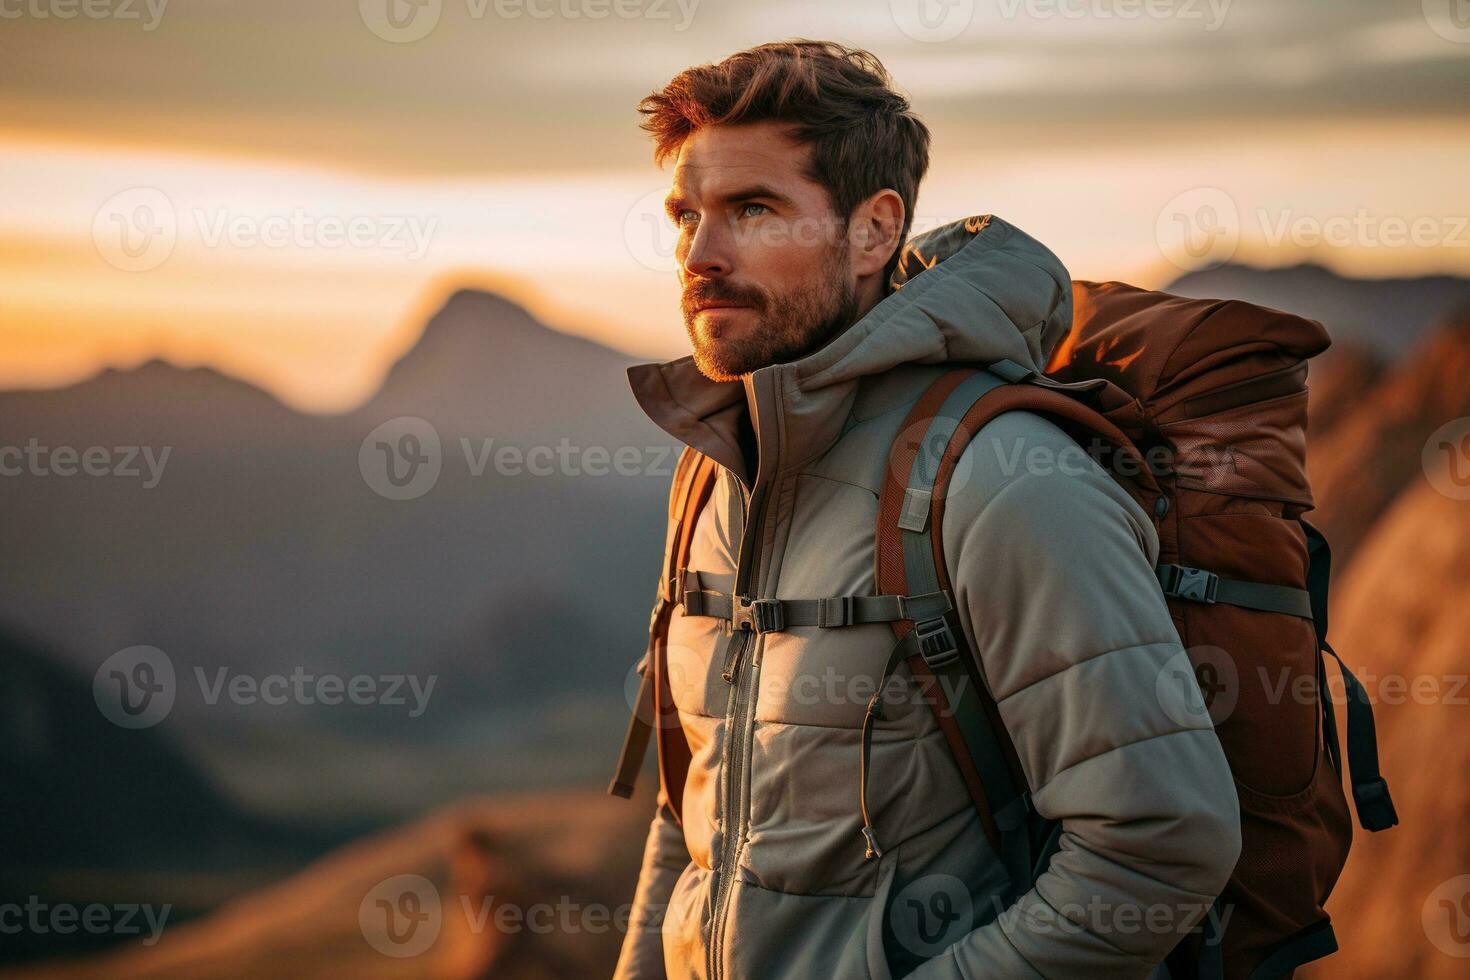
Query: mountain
(1400, 618)
(516, 888)
(249, 542)
(1337, 379)
(1376, 448)
(1386, 316)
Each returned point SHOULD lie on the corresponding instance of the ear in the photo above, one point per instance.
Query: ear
(873, 232)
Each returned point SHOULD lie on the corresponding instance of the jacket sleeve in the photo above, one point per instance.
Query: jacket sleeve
(665, 857)
(1052, 568)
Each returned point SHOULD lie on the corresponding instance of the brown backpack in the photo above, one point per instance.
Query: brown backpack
(1198, 408)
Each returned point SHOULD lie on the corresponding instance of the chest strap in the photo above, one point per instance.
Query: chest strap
(775, 615)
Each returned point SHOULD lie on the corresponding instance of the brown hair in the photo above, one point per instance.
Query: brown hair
(863, 135)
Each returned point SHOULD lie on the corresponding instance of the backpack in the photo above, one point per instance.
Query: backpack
(1198, 409)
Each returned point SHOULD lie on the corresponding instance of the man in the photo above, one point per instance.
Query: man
(796, 169)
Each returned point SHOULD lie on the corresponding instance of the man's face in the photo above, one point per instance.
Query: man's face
(763, 259)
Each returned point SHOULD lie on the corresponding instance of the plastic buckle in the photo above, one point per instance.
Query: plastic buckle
(759, 615)
(1196, 585)
(936, 643)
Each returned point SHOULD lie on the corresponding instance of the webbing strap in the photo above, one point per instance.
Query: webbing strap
(693, 482)
(1211, 965)
(635, 741)
(1009, 805)
(1198, 585)
(773, 615)
(1371, 798)
(1370, 790)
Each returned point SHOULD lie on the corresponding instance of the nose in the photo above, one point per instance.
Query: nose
(706, 252)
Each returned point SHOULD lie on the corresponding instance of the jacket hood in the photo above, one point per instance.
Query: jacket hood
(974, 292)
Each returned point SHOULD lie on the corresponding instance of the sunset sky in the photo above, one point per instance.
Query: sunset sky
(285, 190)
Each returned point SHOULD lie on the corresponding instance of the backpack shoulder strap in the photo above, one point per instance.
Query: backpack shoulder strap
(910, 561)
(694, 479)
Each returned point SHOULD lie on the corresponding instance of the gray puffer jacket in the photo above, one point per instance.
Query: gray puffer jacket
(1052, 567)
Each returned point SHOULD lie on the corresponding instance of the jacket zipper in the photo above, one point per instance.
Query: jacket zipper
(740, 712)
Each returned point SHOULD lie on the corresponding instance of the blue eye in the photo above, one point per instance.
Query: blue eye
(685, 216)
(746, 210)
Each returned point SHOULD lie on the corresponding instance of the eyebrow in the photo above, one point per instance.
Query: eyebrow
(674, 202)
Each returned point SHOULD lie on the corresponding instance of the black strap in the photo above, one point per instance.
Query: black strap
(1370, 790)
(1312, 943)
(1371, 798)
(1211, 964)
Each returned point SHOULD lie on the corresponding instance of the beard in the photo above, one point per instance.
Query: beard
(786, 325)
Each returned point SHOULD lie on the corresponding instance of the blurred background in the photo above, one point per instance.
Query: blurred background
(328, 528)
